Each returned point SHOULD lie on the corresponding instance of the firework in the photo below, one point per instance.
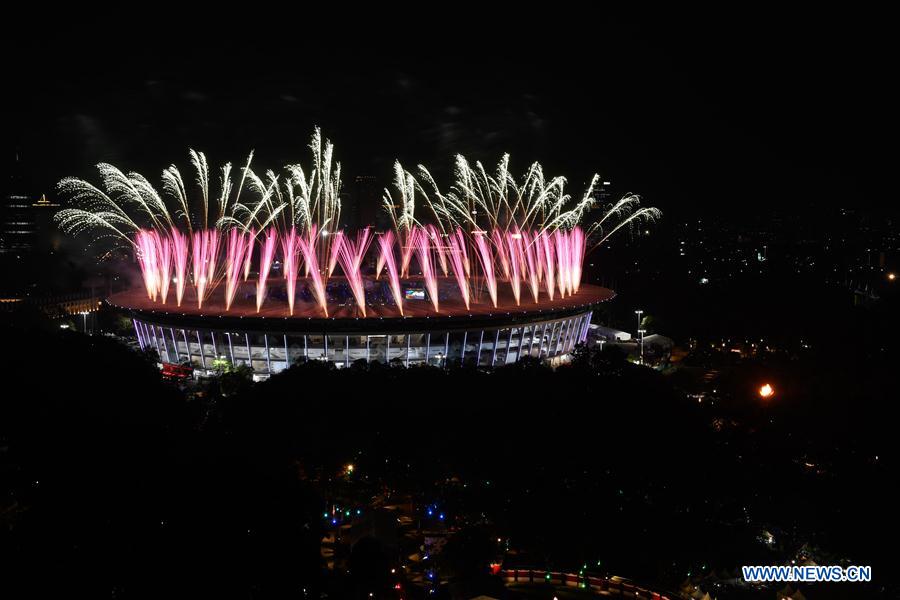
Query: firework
(266, 256)
(351, 257)
(523, 232)
(386, 256)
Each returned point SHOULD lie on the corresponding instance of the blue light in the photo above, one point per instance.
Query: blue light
(334, 521)
(441, 516)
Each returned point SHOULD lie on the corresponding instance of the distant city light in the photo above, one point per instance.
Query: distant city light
(891, 276)
(766, 391)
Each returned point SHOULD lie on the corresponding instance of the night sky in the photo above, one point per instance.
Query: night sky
(726, 113)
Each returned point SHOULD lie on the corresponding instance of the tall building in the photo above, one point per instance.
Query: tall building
(367, 200)
(25, 218)
(17, 226)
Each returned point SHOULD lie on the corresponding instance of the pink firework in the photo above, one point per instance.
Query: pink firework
(248, 253)
(146, 256)
(514, 246)
(337, 240)
(562, 263)
(290, 265)
(407, 247)
(578, 245)
(458, 259)
(386, 256)
(236, 248)
(462, 245)
(308, 249)
(180, 254)
(486, 258)
(426, 263)
(164, 265)
(204, 254)
(350, 257)
(437, 242)
(499, 240)
(266, 256)
(549, 263)
(532, 264)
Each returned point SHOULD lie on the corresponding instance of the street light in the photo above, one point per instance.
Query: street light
(639, 313)
(84, 314)
(642, 331)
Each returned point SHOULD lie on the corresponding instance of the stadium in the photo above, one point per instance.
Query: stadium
(272, 339)
(266, 271)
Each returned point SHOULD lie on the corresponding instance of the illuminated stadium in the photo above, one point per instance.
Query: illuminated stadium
(262, 273)
(272, 339)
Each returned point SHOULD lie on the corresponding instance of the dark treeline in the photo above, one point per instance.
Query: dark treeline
(116, 482)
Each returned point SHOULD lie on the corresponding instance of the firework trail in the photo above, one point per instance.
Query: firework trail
(146, 255)
(522, 230)
(205, 253)
(351, 257)
(549, 264)
(289, 250)
(236, 247)
(311, 260)
(180, 253)
(423, 245)
(458, 260)
(514, 245)
(486, 258)
(532, 264)
(266, 256)
(164, 264)
(248, 252)
(386, 244)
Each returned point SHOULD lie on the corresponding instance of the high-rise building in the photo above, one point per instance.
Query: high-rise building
(17, 227)
(25, 218)
(367, 200)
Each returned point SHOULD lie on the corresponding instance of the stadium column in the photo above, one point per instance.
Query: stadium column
(521, 342)
(249, 354)
(287, 356)
(188, 346)
(565, 336)
(494, 352)
(202, 353)
(165, 344)
(268, 355)
(427, 346)
(446, 349)
(347, 351)
(480, 342)
(541, 343)
(407, 350)
(587, 326)
(387, 351)
(175, 344)
(561, 338)
(137, 331)
(550, 347)
(230, 348)
(508, 344)
(462, 352)
(156, 341)
(367, 348)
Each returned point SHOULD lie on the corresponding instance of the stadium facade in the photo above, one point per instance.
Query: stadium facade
(270, 342)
